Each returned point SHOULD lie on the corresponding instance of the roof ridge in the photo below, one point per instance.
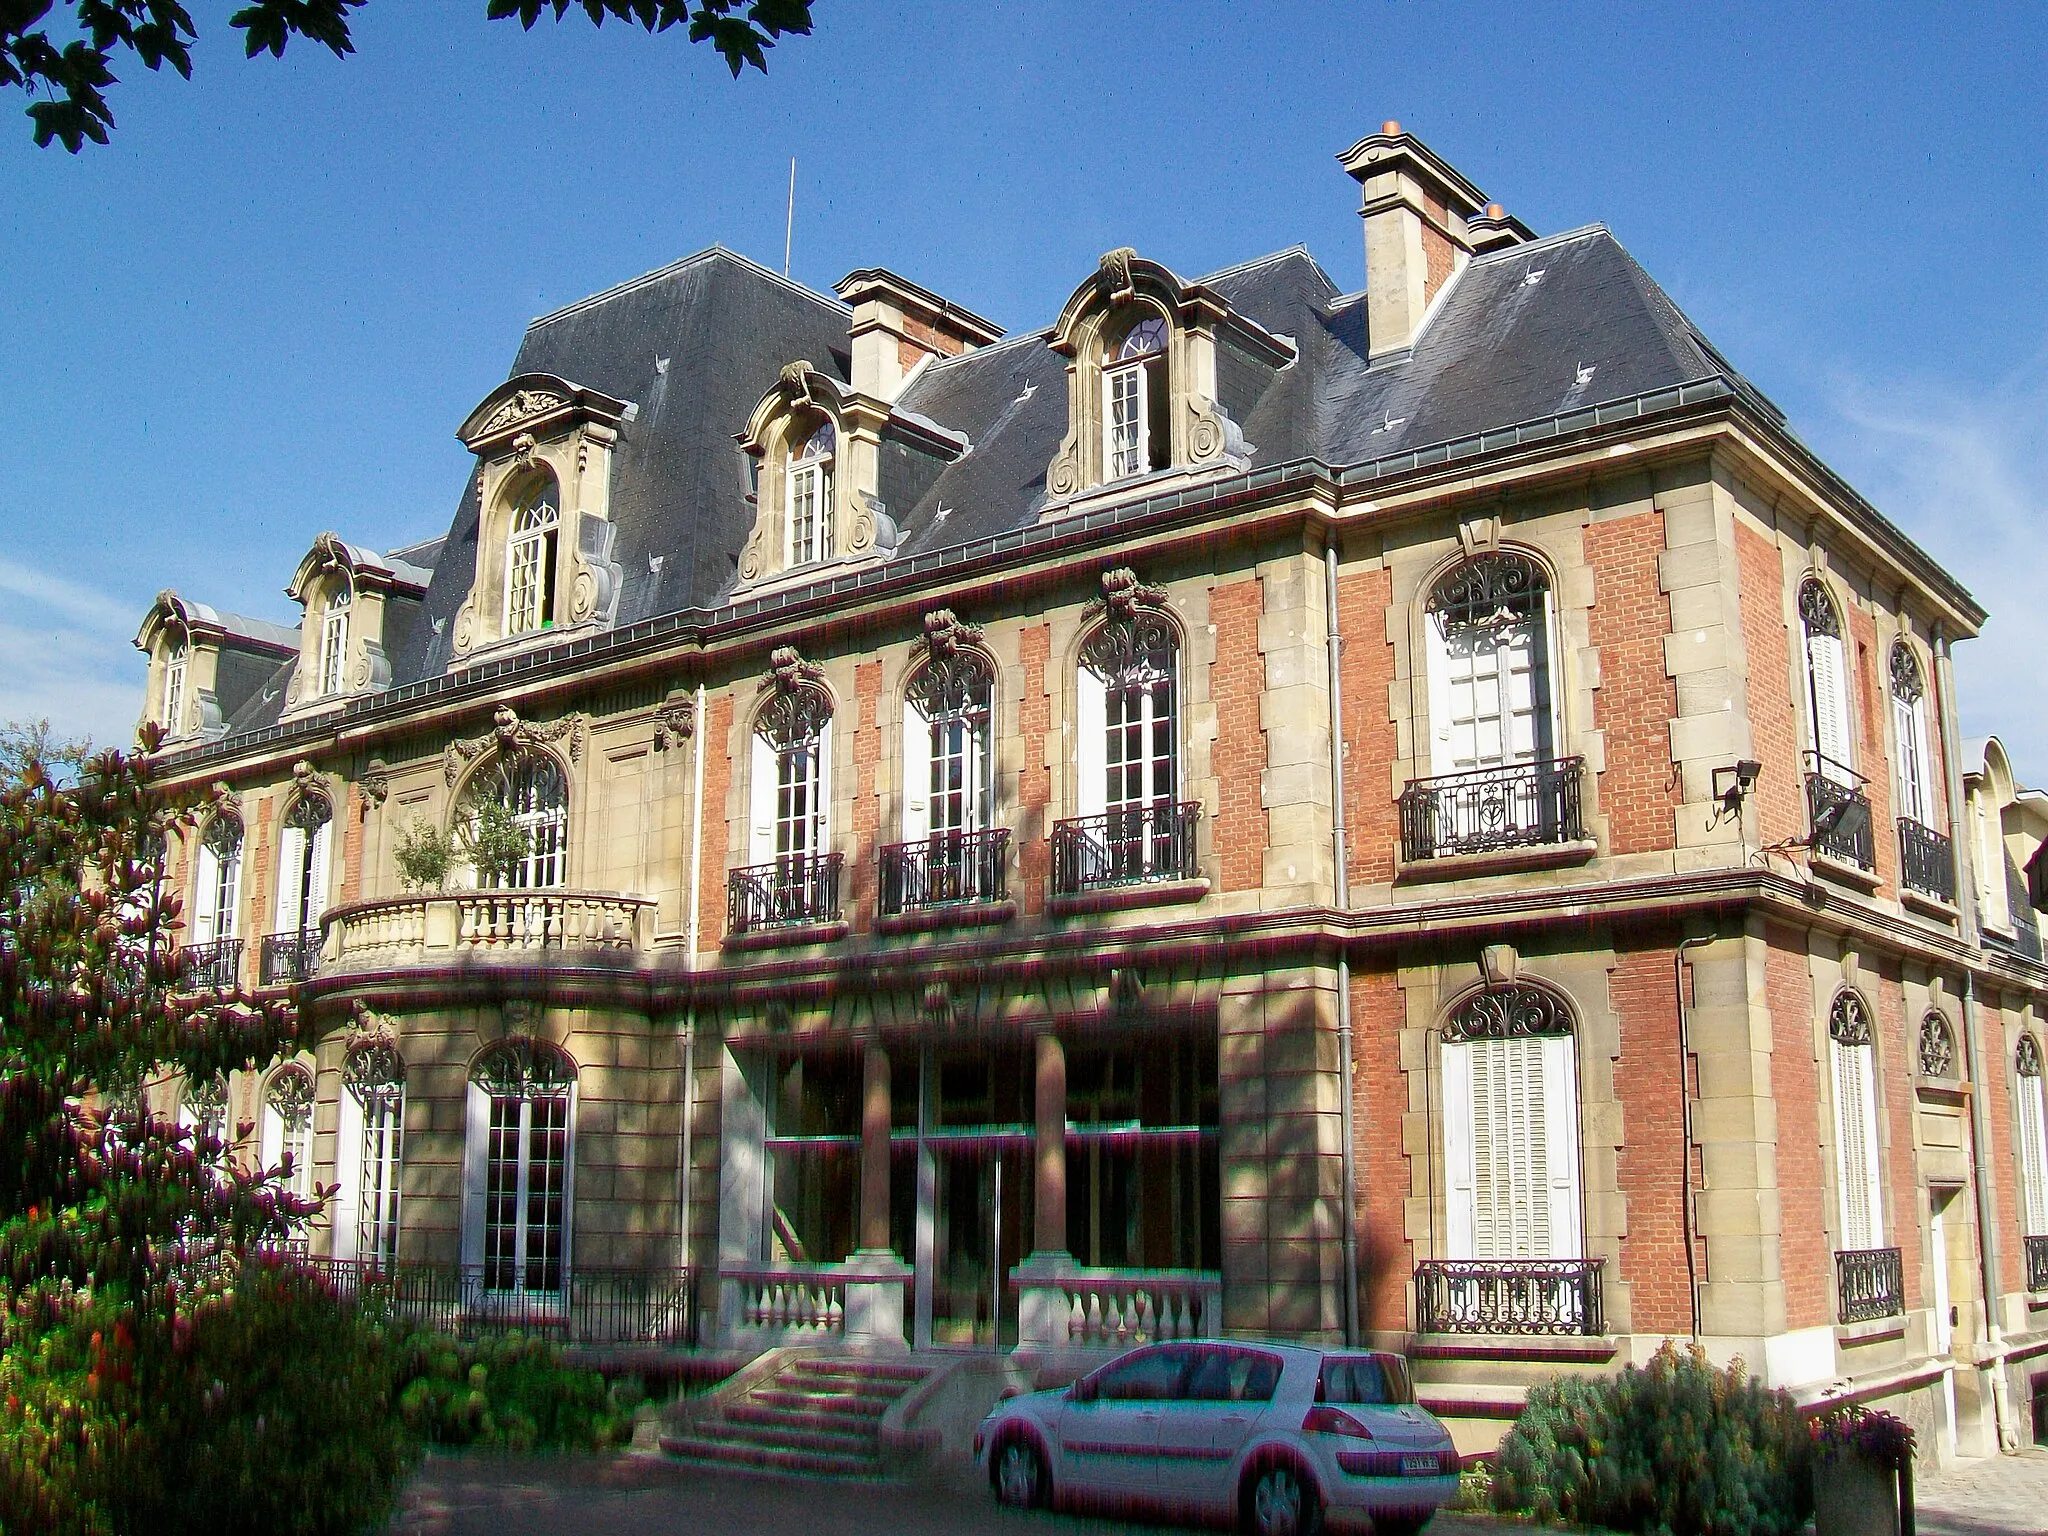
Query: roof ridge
(711, 252)
(937, 363)
(1547, 242)
(1271, 258)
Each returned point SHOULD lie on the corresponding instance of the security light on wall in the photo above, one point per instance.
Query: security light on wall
(1732, 786)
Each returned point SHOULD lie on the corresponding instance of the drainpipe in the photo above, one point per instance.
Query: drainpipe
(689, 1092)
(1342, 894)
(1685, 1208)
(1973, 1043)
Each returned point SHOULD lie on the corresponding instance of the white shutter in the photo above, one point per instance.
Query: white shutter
(2034, 1153)
(475, 1170)
(917, 773)
(1442, 737)
(821, 813)
(1561, 1129)
(291, 864)
(1831, 705)
(1912, 761)
(1091, 725)
(761, 801)
(1458, 1149)
(206, 897)
(346, 1211)
(270, 1143)
(316, 898)
(1860, 1193)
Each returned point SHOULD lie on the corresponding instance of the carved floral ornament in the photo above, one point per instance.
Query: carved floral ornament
(956, 679)
(2028, 1058)
(524, 1069)
(1849, 1020)
(798, 705)
(510, 736)
(675, 719)
(1136, 640)
(1489, 591)
(1516, 1012)
(290, 1096)
(522, 405)
(1907, 683)
(1937, 1047)
(374, 1072)
(376, 780)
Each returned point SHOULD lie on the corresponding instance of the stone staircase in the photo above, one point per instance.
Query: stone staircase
(817, 1414)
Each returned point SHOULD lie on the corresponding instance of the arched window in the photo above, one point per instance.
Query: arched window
(1827, 683)
(520, 1167)
(334, 635)
(1909, 725)
(530, 785)
(302, 865)
(173, 717)
(1133, 826)
(807, 502)
(1937, 1047)
(219, 884)
(2033, 1135)
(1859, 1175)
(369, 1154)
(204, 1107)
(531, 557)
(288, 1125)
(1511, 1127)
(1136, 403)
(947, 767)
(792, 776)
(1491, 698)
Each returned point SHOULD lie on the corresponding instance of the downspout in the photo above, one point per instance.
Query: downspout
(1686, 1194)
(1973, 1042)
(689, 1092)
(1342, 895)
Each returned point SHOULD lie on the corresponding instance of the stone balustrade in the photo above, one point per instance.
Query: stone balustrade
(444, 925)
(1117, 1308)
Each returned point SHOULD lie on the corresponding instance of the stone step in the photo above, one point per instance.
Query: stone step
(793, 1437)
(748, 1412)
(864, 1370)
(776, 1396)
(722, 1453)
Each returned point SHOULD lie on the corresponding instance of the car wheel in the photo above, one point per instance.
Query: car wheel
(1282, 1504)
(1020, 1475)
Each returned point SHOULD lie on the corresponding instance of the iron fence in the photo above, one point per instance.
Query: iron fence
(1509, 1296)
(290, 957)
(1128, 846)
(609, 1305)
(1869, 1283)
(1523, 805)
(945, 869)
(213, 967)
(1927, 860)
(798, 888)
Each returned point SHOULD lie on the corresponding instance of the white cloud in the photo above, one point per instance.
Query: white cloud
(1961, 473)
(68, 656)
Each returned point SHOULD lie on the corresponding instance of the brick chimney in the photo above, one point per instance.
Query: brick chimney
(896, 325)
(1423, 222)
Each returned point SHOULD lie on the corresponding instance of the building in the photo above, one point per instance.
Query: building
(1424, 813)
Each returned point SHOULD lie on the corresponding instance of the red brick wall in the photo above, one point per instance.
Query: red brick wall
(714, 736)
(2004, 1158)
(1034, 779)
(1805, 1252)
(867, 790)
(1235, 684)
(1773, 723)
(1636, 701)
(259, 866)
(1652, 1162)
(1873, 705)
(1379, 1099)
(1897, 1049)
(352, 846)
(1438, 260)
(1371, 821)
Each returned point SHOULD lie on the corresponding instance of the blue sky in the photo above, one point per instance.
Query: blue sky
(263, 311)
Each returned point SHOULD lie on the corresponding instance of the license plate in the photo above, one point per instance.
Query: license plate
(1420, 1464)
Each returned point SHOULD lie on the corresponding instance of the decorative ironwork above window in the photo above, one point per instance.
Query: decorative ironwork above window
(2028, 1057)
(223, 836)
(1508, 1013)
(800, 706)
(290, 1097)
(1136, 641)
(207, 1099)
(374, 1073)
(1907, 683)
(1849, 1020)
(310, 812)
(1937, 1047)
(956, 680)
(1488, 592)
(1817, 610)
(524, 1069)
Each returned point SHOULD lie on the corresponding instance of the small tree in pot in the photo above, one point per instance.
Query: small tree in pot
(424, 854)
(494, 843)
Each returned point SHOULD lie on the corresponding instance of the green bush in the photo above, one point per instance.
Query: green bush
(1676, 1446)
(512, 1393)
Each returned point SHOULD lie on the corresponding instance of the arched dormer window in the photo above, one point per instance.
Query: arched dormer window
(176, 660)
(1909, 727)
(530, 785)
(369, 1153)
(288, 1126)
(1859, 1179)
(1827, 683)
(2033, 1118)
(1511, 1127)
(531, 556)
(334, 635)
(217, 891)
(520, 1167)
(807, 496)
(302, 865)
(1137, 419)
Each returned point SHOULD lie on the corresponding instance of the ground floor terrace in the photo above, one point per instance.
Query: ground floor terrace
(1509, 1151)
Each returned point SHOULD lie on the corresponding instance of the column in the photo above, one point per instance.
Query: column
(1042, 1305)
(874, 1148)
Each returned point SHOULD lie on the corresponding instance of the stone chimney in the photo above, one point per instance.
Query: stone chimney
(897, 325)
(1423, 222)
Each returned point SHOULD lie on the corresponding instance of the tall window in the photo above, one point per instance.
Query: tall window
(530, 558)
(792, 776)
(369, 1153)
(1137, 429)
(1490, 692)
(220, 880)
(808, 511)
(2033, 1136)
(1858, 1175)
(947, 772)
(302, 865)
(175, 658)
(204, 1107)
(288, 1125)
(1511, 1127)
(334, 635)
(521, 1103)
(1129, 715)
(1827, 683)
(1909, 725)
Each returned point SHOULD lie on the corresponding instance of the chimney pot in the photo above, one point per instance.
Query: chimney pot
(1390, 127)
(1495, 211)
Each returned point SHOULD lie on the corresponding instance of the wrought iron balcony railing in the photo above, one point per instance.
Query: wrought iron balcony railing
(946, 869)
(1130, 846)
(799, 888)
(214, 967)
(1839, 814)
(1869, 1283)
(1544, 1296)
(2037, 1263)
(290, 957)
(1525, 805)
(1927, 860)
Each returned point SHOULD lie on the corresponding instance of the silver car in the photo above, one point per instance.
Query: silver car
(1272, 1436)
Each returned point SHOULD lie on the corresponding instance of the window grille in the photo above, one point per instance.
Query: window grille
(1909, 725)
(1937, 1047)
(1489, 665)
(946, 746)
(334, 638)
(302, 865)
(205, 1108)
(220, 879)
(1129, 710)
(1827, 682)
(792, 751)
(528, 1089)
(809, 515)
(530, 559)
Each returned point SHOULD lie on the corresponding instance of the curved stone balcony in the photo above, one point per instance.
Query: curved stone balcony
(441, 927)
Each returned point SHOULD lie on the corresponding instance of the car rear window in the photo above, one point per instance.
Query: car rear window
(1365, 1379)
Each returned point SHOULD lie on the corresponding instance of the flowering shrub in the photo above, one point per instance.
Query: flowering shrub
(1865, 1434)
(513, 1393)
(1676, 1446)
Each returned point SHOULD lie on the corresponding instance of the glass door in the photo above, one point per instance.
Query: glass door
(981, 1230)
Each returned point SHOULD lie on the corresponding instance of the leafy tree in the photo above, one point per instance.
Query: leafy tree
(424, 855)
(67, 72)
(493, 842)
(26, 741)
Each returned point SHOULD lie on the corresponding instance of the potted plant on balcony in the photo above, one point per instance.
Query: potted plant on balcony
(424, 855)
(1862, 1474)
(494, 844)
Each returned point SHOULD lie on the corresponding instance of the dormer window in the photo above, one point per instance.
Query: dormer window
(334, 636)
(174, 687)
(808, 502)
(1135, 401)
(530, 557)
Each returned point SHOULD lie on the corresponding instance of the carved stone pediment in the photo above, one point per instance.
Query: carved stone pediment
(509, 735)
(538, 405)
